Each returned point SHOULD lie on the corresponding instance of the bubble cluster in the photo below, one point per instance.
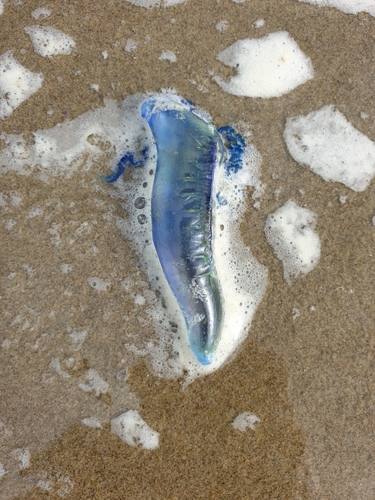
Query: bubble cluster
(290, 231)
(49, 41)
(17, 84)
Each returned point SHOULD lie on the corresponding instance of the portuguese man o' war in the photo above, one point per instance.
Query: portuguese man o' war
(189, 149)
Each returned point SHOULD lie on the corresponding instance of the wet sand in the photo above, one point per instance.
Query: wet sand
(309, 378)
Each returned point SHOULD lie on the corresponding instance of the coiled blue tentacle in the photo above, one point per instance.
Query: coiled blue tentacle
(235, 148)
(127, 159)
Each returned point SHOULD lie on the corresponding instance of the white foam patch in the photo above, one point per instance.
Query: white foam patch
(92, 422)
(65, 486)
(222, 25)
(77, 339)
(1, 11)
(134, 431)
(55, 364)
(348, 6)
(296, 313)
(4, 432)
(16, 84)
(259, 23)
(34, 212)
(139, 300)
(2, 470)
(245, 420)
(343, 198)
(153, 3)
(99, 284)
(62, 149)
(48, 42)
(65, 268)
(10, 198)
(266, 67)
(130, 45)
(332, 148)
(44, 485)
(95, 383)
(168, 55)
(290, 232)
(23, 455)
(41, 13)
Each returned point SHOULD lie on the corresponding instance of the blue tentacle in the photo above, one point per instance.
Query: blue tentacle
(127, 159)
(235, 148)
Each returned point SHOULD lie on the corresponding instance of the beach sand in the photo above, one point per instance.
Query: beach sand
(306, 368)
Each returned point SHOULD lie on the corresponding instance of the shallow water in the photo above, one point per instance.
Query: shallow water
(78, 339)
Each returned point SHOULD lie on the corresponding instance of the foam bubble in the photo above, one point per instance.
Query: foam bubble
(44, 485)
(343, 198)
(55, 364)
(10, 197)
(222, 25)
(92, 422)
(131, 45)
(295, 313)
(65, 486)
(95, 383)
(134, 431)
(2, 470)
(99, 284)
(4, 431)
(259, 23)
(77, 339)
(41, 13)
(65, 268)
(332, 148)
(50, 42)
(348, 6)
(23, 455)
(139, 300)
(168, 55)
(34, 212)
(266, 67)
(16, 84)
(290, 232)
(245, 420)
(9, 224)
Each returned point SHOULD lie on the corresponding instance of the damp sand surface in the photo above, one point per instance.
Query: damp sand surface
(78, 335)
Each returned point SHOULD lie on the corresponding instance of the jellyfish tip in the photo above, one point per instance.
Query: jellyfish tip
(204, 358)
